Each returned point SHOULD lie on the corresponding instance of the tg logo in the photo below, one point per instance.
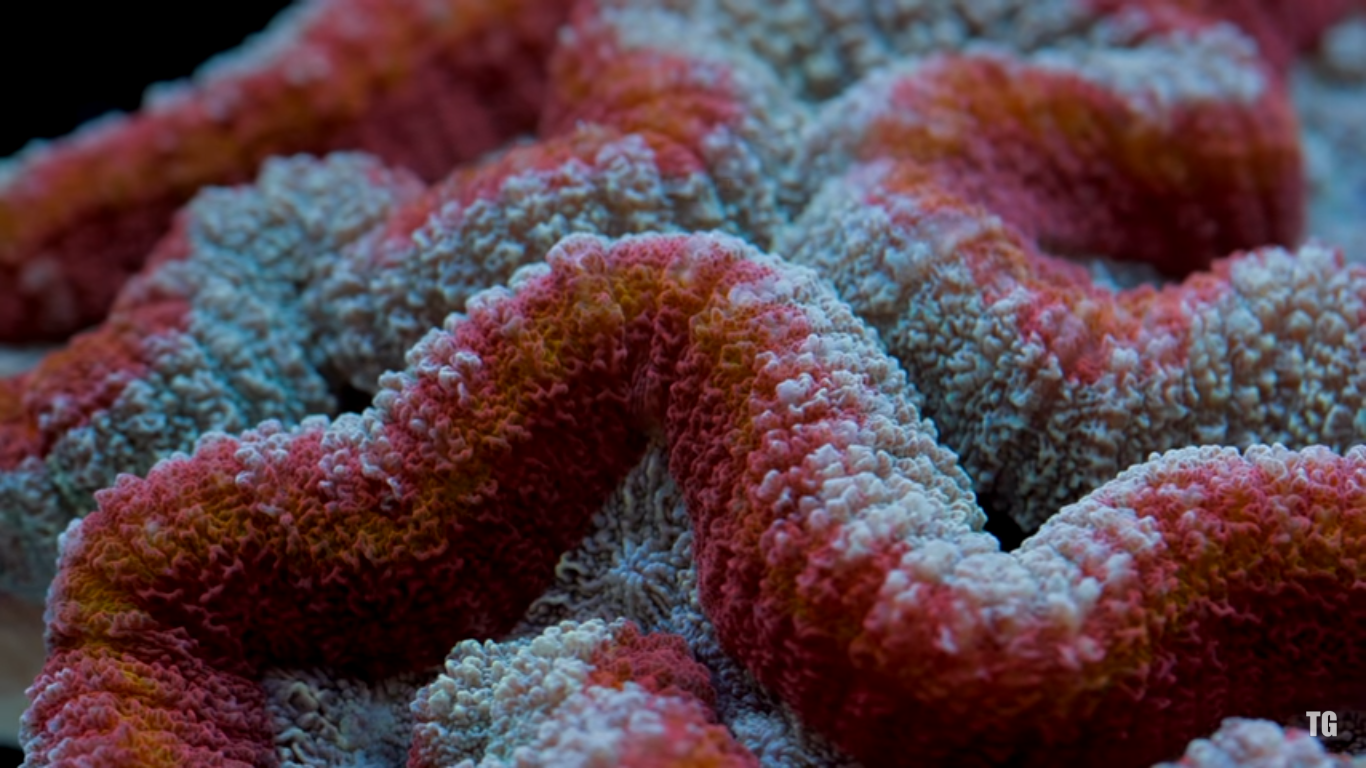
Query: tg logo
(1330, 723)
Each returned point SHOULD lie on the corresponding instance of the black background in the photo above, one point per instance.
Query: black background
(62, 64)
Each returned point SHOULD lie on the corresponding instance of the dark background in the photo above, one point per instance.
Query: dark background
(62, 64)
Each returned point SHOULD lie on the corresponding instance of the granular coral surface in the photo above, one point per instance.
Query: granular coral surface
(645, 389)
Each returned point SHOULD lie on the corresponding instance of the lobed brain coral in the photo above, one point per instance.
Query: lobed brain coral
(656, 496)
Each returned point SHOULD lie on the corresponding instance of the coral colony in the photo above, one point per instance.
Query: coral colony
(675, 352)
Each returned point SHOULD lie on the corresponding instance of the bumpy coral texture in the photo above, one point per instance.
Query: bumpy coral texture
(838, 546)
(607, 694)
(946, 234)
(247, 311)
(423, 85)
(279, 593)
(1243, 743)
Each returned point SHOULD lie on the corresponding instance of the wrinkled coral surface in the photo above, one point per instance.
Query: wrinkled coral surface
(655, 496)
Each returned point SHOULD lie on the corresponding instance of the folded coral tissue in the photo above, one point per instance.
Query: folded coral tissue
(729, 382)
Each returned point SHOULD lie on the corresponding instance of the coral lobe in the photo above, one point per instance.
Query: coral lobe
(539, 319)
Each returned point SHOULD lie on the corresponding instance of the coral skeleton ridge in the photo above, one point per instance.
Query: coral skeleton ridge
(632, 382)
